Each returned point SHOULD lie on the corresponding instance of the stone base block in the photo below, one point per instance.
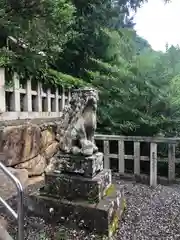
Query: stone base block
(73, 187)
(85, 166)
(101, 218)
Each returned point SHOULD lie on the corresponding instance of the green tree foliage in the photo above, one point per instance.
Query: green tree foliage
(35, 32)
(139, 95)
(140, 44)
(76, 42)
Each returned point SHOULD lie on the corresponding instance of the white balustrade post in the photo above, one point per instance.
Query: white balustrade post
(137, 158)
(28, 101)
(69, 95)
(39, 97)
(16, 94)
(2, 91)
(56, 100)
(48, 100)
(62, 99)
(121, 158)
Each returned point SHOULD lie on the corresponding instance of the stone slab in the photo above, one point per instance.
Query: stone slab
(79, 164)
(102, 218)
(73, 187)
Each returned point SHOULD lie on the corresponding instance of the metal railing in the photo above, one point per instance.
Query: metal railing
(19, 216)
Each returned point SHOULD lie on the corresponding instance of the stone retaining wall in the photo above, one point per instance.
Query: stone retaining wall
(29, 146)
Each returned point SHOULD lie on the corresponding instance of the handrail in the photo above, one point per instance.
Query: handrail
(19, 216)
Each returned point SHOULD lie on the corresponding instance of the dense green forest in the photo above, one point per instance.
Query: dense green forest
(93, 42)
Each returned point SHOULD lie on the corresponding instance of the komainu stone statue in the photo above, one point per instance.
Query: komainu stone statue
(78, 123)
(77, 188)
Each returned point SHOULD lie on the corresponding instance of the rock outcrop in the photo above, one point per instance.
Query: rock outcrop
(34, 166)
(28, 146)
(20, 143)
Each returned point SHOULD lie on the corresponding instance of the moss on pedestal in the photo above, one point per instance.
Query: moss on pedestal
(124, 204)
(115, 222)
(110, 190)
(114, 225)
(93, 196)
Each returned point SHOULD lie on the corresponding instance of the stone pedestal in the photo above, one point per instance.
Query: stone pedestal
(73, 187)
(74, 196)
(85, 166)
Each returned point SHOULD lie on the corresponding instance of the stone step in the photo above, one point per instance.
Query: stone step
(102, 218)
(86, 166)
(74, 187)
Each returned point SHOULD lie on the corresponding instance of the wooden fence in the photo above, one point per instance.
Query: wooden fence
(153, 141)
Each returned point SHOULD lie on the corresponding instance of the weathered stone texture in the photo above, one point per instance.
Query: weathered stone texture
(86, 166)
(76, 129)
(73, 187)
(35, 166)
(51, 150)
(101, 218)
(47, 138)
(20, 143)
(28, 146)
(53, 165)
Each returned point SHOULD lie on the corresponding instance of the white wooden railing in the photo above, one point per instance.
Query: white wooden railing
(121, 156)
(22, 101)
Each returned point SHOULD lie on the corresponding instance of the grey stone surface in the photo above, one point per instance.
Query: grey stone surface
(102, 218)
(7, 187)
(4, 235)
(78, 123)
(73, 187)
(86, 166)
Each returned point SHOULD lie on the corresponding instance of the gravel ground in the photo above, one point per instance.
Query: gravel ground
(151, 214)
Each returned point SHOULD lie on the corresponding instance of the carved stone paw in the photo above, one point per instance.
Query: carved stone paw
(75, 150)
(95, 148)
(87, 148)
